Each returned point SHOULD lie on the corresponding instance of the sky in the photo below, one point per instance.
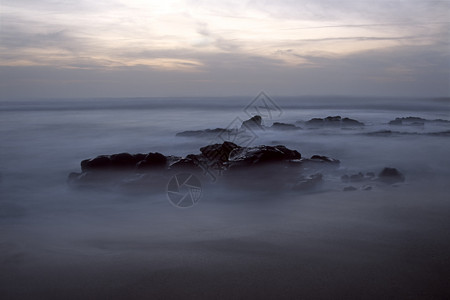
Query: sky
(145, 48)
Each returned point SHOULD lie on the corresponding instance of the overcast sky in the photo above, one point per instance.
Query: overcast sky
(144, 48)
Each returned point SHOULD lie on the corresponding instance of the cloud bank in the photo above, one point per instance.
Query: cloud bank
(183, 48)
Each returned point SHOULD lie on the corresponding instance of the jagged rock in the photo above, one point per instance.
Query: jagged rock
(254, 122)
(391, 176)
(278, 167)
(219, 152)
(251, 156)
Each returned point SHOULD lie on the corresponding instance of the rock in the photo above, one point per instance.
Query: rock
(186, 164)
(284, 126)
(310, 182)
(334, 121)
(122, 161)
(219, 152)
(278, 167)
(367, 188)
(99, 163)
(324, 159)
(254, 122)
(391, 176)
(152, 161)
(357, 177)
(416, 121)
(408, 121)
(351, 122)
(250, 156)
(349, 189)
(345, 178)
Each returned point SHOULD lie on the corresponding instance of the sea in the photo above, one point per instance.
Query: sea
(389, 241)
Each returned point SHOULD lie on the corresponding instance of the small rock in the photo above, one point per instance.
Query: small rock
(349, 189)
(322, 158)
(357, 177)
(391, 176)
(309, 183)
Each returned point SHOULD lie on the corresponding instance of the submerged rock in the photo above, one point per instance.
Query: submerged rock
(391, 176)
(416, 121)
(323, 159)
(349, 189)
(204, 133)
(310, 182)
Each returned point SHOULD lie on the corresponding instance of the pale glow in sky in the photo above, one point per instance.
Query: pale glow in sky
(205, 39)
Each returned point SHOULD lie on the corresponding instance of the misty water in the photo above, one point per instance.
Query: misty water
(391, 241)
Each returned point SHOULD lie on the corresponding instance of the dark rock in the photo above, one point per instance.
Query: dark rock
(218, 152)
(357, 177)
(254, 122)
(122, 161)
(391, 175)
(349, 189)
(416, 121)
(186, 164)
(152, 161)
(351, 122)
(334, 121)
(408, 121)
(139, 156)
(262, 154)
(277, 168)
(324, 159)
(284, 126)
(98, 163)
(367, 188)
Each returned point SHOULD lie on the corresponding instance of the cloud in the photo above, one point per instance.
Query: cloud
(199, 41)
